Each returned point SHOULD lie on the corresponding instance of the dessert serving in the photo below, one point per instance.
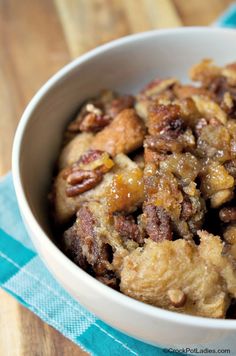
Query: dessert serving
(144, 193)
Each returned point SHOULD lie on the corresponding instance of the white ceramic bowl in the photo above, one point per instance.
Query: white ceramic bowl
(125, 65)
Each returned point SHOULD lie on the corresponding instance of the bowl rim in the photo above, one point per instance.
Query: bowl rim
(115, 296)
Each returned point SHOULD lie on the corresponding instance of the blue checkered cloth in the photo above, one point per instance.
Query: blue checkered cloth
(23, 275)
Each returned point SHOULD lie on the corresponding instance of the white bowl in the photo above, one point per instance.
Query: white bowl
(125, 65)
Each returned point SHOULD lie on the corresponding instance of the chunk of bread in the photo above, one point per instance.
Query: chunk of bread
(123, 135)
(206, 279)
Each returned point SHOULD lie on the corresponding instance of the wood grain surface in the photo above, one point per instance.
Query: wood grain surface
(37, 37)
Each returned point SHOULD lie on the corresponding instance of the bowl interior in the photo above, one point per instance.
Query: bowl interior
(124, 65)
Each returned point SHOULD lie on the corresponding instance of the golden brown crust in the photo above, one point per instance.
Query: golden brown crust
(124, 134)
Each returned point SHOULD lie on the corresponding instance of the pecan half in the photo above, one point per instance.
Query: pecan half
(157, 223)
(94, 160)
(94, 122)
(81, 181)
(128, 229)
(119, 104)
(91, 118)
(87, 172)
(90, 156)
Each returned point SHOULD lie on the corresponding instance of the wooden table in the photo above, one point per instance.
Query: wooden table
(37, 37)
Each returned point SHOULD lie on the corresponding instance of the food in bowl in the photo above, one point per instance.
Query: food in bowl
(143, 198)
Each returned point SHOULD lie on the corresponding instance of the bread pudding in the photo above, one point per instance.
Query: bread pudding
(143, 198)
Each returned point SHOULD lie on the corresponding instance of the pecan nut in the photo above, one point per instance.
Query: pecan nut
(119, 104)
(157, 223)
(89, 156)
(91, 160)
(82, 180)
(94, 122)
(87, 172)
(128, 228)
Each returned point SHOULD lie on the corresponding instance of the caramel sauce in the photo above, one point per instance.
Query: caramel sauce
(125, 190)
